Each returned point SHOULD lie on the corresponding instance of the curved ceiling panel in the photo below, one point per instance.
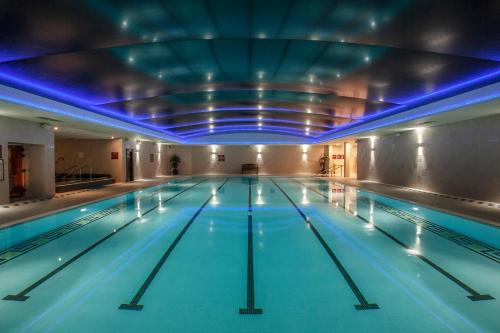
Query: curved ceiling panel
(197, 68)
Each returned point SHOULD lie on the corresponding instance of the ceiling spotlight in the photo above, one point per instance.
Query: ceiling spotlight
(131, 59)
(367, 58)
(211, 126)
(380, 99)
(210, 108)
(309, 110)
(160, 75)
(211, 120)
(260, 117)
(209, 76)
(112, 137)
(311, 78)
(56, 128)
(373, 24)
(262, 35)
(308, 122)
(337, 75)
(259, 124)
(260, 74)
(125, 23)
(259, 107)
(260, 88)
(209, 97)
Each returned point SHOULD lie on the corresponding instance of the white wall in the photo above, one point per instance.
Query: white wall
(144, 167)
(39, 151)
(461, 159)
(274, 159)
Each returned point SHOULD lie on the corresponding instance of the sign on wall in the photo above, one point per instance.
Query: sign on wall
(114, 155)
(221, 158)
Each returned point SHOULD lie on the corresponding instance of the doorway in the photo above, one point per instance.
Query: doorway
(129, 165)
(17, 172)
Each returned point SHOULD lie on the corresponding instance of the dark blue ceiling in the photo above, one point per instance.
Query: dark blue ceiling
(192, 68)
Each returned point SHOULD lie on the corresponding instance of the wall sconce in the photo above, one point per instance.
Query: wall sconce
(372, 142)
(213, 152)
(305, 148)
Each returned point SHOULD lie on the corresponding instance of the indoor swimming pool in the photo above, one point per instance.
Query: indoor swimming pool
(250, 254)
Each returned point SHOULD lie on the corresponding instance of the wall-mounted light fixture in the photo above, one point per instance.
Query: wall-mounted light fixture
(305, 148)
(372, 142)
(420, 140)
(213, 151)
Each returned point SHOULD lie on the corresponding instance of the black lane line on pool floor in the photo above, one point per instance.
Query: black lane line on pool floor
(21, 296)
(134, 303)
(363, 303)
(33, 243)
(250, 309)
(474, 295)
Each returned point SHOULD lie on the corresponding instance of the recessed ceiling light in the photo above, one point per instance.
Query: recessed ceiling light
(211, 126)
(309, 111)
(131, 59)
(260, 88)
(260, 117)
(367, 58)
(308, 122)
(259, 107)
(56, 128)
(210, 108)
(260, 124)
(211, 120)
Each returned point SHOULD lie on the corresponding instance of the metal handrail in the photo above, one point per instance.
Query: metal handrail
(82, 168)
(64, 174)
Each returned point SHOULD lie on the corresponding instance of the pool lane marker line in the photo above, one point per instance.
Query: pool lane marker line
(22, 296)
(33, 243)
(134, 303)
(250, 309)
(474, 295)
(363, 303)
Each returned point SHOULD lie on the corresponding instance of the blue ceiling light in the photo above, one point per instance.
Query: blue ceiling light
(233, 128)
(426, 99)
(136, 129)
(232, 120)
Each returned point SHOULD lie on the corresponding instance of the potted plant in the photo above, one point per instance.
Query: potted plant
(323, 164)
(175, 160)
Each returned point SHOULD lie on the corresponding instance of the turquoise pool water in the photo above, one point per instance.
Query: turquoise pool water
(250, 254)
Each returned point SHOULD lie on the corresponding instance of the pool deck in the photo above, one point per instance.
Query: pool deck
(25, 210)
(481, 211)
(22, 211)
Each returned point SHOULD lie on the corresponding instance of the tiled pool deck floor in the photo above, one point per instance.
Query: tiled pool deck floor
(483, 211)
(25, 210)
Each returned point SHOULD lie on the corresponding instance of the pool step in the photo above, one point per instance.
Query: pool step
(73, 186)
